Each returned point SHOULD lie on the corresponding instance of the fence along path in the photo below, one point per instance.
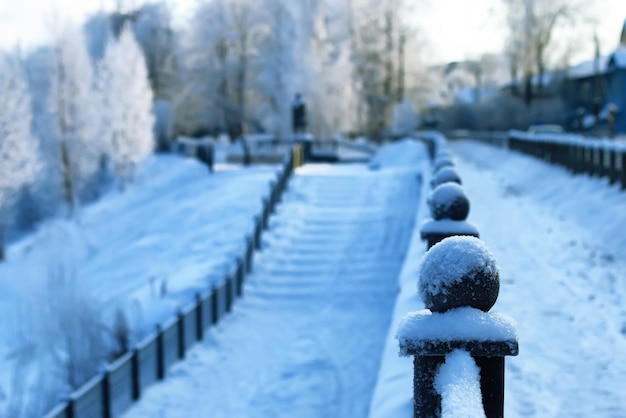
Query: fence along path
(306, 339)
(112, 392)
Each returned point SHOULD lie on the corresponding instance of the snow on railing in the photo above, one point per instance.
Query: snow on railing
(449, 206)
(458, 382)
(458, 283)
(122, 382)
(598, 157)
(457, 344)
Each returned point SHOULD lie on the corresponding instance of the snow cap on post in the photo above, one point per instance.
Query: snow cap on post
(446, 175)
(448, 201)
(441, 162)
(443, 152)
(459, 272)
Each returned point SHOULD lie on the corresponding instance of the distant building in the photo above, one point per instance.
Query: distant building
(594, 92)
(466, 82)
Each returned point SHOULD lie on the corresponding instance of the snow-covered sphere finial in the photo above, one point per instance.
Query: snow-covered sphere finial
(448, 201)
(446, 175)
(459, 272)
(442, 162)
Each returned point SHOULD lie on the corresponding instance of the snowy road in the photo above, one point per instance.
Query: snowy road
(305, 341)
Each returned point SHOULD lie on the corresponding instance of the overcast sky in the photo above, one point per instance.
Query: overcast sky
(456, 29)
(460, 29)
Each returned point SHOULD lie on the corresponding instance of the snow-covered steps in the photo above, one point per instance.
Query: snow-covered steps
(306, 339)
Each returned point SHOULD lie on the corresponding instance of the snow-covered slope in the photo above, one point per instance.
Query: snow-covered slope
(145, 252)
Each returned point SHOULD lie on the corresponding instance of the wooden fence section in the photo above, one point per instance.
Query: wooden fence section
(595, 157)
(111, 393)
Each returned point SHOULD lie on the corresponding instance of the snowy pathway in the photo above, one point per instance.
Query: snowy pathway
(306, 339)
(559, 244)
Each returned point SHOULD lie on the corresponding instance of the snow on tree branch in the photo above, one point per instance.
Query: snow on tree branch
(126, 99)
(18, 150)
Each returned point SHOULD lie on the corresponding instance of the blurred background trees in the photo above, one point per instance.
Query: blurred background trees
(130, 81)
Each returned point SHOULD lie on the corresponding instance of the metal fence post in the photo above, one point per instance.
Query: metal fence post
(604, 167)
(180, 324)
(258, 228)
(160, 352)
(464, 294)
(613, 173)
(623, 169)
(136, 384)
(449, 207)
(579, 159)
(215, 309)
(199, 317)
(106, 395)
(240, 275)
(596, 164)
(249, 254)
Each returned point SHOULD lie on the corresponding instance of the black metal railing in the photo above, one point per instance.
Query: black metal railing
(595, 157)
(446, 292)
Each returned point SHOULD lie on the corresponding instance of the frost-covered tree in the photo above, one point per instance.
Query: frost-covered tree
(325, 67)
(374, 38)
(154, 33)
(245, 60)
(219, 50)
(58, 335)
(98, 31)
(278, 65)
(18, 150)
(533, 28)
(77, 115)
(126, 100)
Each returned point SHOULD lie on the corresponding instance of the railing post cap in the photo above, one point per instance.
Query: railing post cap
(459, 272)
(445, 175)
(482, 334)
(445, 228)
(442, 162)
(448, 201)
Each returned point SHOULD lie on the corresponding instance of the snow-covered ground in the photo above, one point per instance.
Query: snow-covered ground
(174, 231)
(558, 242)
(292, 347)
(306, 339)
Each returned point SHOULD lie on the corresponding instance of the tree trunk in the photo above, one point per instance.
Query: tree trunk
(3, 238)
(528, 88)
(400, 94)
(241, 86)
(388, 80)
(69, 192)
(540, 68)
